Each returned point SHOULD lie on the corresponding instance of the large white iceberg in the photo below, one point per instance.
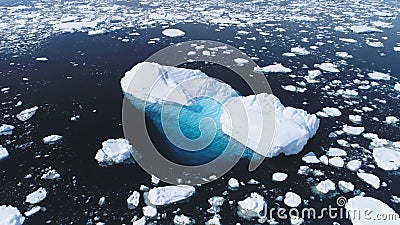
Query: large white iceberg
(10, 215)
(114, 151)
(167, 90)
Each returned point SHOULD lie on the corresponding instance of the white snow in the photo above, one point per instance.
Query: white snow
(365, 29)
(279, 177)
(370, 179)
(310, 158)
(37, 196)
(6, 129)
(354, 165)
(275, 68)
(327, 67)
(379, 76)
(345, 187)
(252, 207)
(292, 199)
(170, 194)
(353, 130)
(173, 33)
(182, 220)
(10, 215)
(3, 153)
(26, 114)
(366, 210)
(387, 159)
(233, 184)
(114, 151)
(325, 186)
(133, 200)
(52, 139)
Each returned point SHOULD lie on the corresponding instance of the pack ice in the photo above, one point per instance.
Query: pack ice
(171, 89)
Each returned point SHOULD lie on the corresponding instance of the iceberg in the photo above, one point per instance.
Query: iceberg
(361, 29)
(168, 93)
(10, 215)
(173, 33)
(3, 153)
(37, 196)
(52, 139)
(275, 68)
(26, 114)
(6, 129)
(292, 199)
(252, 207)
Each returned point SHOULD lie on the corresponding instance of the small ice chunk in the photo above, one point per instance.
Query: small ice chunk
(354, 165)
(375, 208)
(391, 120)
(233, 184)
(375, 44)
(240, 61)
(295, 220)
(149, 211)
(299, 51)
(333, 152)
(336, 162)
(310, 158)
(345, 187)
(348, 40)
(3, 153)
(141, 221)
(52, 139)
(214, 221)
(325, 186)
(42, 59)
(51, 174)
(133, 200)
(170, 194)
(183, 220)
(327, 67)
(173, 33)
(279, 177)
(365, 29)
(252, 207)
(32, 211)
(10, 215)
(355, 118)
(114, 151)
(324, 160)
(370, 179)
(37, 196)
(276, 68)
(6, 129)
(329, 112)
(26, 114)
(353, 130)
(379, 76)
(387, 159)
(344, 55)
(155, 180)
(102, 201)
(292, 199)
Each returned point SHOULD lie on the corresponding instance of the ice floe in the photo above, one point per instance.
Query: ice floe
(379, 76)
(52, 139)
(10, 215)
(114, 151)
(6, 129)
(3, 153)
(353, 130)
(160, 196)
(387, 159)
(252, 207)
(360, 29)
(275, 68)
(327, 67)
(26, 114)
(292, 199)
(133, 200)
(183, 220)
(279, 176)
(329, 112)
(354, 165)
(173, 33)
(345, 187)
(325, 186)
(37, 196)
(366, 211)
(336, 162)
(233, 184)
(310, 158)
(370, 179)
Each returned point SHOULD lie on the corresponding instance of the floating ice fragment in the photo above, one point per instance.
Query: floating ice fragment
(379, 76)
(345, 187)
(51, 174)
(354, 165)
(149, 211)
(26, 114)
(6, 129)
(370, 179)
(327, 67)
(173, 33)
(160, 196)
(344, 55)
(387, 159)
(310, 158)
(279, 177)
(37, 196)
(42, 59)
(325, 186)
(336, 162)
(233, 184)
(333, 152)
(353, 130)
(3, 153)
(299, 51)
(276, 68)
(183, 220)
(365, 29)
(292, 199)
(32, 211)
(330, 112)
(52, 139)
(133, 200)
(114, 151)
(252, 207)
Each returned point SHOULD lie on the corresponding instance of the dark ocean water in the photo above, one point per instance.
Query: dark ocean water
(94, 85)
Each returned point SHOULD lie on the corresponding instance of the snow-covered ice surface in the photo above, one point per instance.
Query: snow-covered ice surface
(67, 57)
(10, 215)
(160, 196)
(114, 151)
